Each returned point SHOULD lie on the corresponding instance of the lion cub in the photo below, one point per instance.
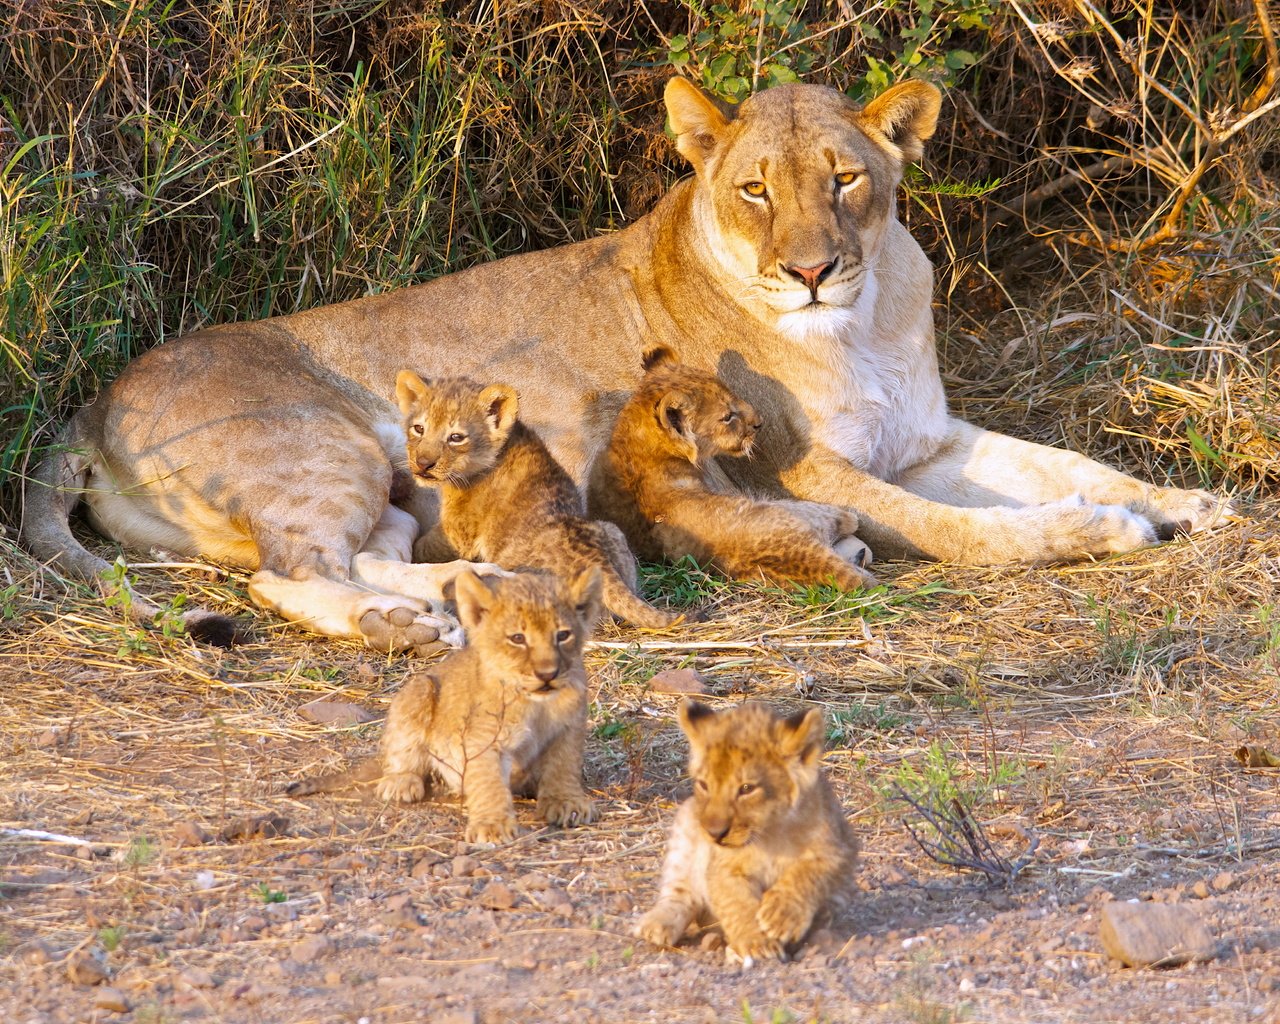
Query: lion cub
(503, 498)
(507, 711)
(659, 482)
(762, 846)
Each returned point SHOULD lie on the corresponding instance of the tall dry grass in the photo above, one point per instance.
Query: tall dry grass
(1101, 199)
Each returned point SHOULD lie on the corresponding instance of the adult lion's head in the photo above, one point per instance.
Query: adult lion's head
(797, 189)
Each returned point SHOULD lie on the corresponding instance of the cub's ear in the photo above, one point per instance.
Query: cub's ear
(585, 592)
(659, 355)
(802, 736)
(500, 405)
(697, 120)
(673, 411)
(906, 115)
(411, 391)
(474, 598)
(693, 716)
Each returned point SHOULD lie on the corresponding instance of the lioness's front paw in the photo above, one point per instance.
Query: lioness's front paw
(396, 625)
(567, 811)
(492, 830)
(1175, 511)
(853, 551)
(782, 917)
(662, 926)
(402, 788)
(1074, 528)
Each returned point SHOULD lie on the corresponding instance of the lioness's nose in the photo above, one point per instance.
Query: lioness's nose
(813, 276)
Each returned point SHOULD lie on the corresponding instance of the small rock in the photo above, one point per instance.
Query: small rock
(425, 868)
(534, 881)
(497, 896)
(455, 1017)
(253, 923)
(333, 978)
(464, 866)
(257, 826)
(966, 986)
(36, 953)
(190, 833)
(1154, 934)
(57, 736)
(84, 969)
(197, 977)
(1200, 890)
(335, 712)
(313, 947)
(110, 999)
(1222, 881)
(678, 680)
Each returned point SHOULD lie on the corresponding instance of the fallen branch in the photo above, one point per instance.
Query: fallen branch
(962, 842)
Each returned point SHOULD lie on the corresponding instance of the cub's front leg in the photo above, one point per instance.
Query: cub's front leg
(406, 755)
(486, 795)
(681, 897)
(788, 907)
(561, 798)
(736, 903)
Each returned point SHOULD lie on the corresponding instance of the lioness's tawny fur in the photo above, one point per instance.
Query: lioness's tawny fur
(762, 847)
(507, 711)
(658, 481)
(503, 498)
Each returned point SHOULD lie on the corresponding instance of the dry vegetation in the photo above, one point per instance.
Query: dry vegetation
(1102, 205)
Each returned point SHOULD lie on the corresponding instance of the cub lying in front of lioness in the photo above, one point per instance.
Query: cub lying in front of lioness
(503, 498)
(507, 711)
(762, 847)
(658, 480)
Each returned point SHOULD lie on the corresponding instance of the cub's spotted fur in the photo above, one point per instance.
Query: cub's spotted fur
(503, 498)
(659, 482)
(508, 711)
(762, 847)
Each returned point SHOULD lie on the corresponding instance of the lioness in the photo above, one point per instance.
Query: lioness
(780, 265)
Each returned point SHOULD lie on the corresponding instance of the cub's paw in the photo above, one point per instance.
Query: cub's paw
(750, 949)
(782, 917)
(402, 788)
(662, 926)
(567, 811)
(1175, 511)
(853, 551)
(492, 830)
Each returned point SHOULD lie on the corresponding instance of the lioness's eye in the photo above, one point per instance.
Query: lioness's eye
(747, 788)
(846, 178)
(457, 438)
(754, 189)
(416, 429)
(563, 636)
(517, 639)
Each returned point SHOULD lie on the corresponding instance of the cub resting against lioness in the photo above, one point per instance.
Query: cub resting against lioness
(780, 265)
(508, 711)
(658, 480)
(762, 847)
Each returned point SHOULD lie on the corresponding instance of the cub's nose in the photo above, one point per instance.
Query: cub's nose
(717, 830)
(810, 277)
(546, 675)
(426, 466)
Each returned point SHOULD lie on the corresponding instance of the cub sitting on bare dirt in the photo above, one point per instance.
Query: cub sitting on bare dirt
(508, 711)
(660, 483)
(762, 846)
(503, 498)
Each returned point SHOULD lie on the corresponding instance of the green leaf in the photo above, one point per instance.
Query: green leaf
(1201, 447)
(957, 59)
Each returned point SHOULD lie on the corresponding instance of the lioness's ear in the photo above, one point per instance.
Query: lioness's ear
(697, 121)
(659, 355)
(693, 715)
(474, 597)
(803, 736)
(906, 115)
(411, 391)
(501, 406)
(585, 591)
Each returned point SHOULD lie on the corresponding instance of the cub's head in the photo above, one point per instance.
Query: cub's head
(696, 415)
(750, 766)
(530, 628)
(796, 189)
(455, 429)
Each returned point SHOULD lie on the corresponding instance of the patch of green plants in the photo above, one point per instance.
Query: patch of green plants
(9, 603)
(939, 777)
(111, 937)
(682, 584)
(845, 725)
(778, 1015)
(141, 852)
(876, 603)
(608, 727)
(266, 894)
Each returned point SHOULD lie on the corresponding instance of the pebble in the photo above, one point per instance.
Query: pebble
(110, 999)
(36, 953)
(966, 986)
(83, 969)
(679, 680)
(190, 833)
(464, 865)
(1200, 890)
(257, 826)
(1222, 881)
(497, 896)
(313, 947)
(197, 977)
(1147, 934)
(335, 712)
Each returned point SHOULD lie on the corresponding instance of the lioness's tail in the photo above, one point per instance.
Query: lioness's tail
(362, 774)
(49, 497)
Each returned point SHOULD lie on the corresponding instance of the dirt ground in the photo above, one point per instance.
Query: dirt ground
(1095, 707)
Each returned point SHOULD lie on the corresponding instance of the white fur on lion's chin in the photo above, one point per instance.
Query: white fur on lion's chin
(832, 323)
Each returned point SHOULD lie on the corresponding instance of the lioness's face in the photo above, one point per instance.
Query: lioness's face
(797, 188)
(530, 628)
(749, 767)
(454, 428)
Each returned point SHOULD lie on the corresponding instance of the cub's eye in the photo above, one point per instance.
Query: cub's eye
(747, 788)
(517, 639)
(416, 430)
(456, 438)
(754, 189)
(564, 636)
(729, 417)
(846, 179)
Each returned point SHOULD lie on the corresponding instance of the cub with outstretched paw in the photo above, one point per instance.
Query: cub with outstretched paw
(762, 847)
(508, 711)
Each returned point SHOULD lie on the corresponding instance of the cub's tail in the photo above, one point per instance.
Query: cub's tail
(361, 775)
(625, 604)
(50, 496)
